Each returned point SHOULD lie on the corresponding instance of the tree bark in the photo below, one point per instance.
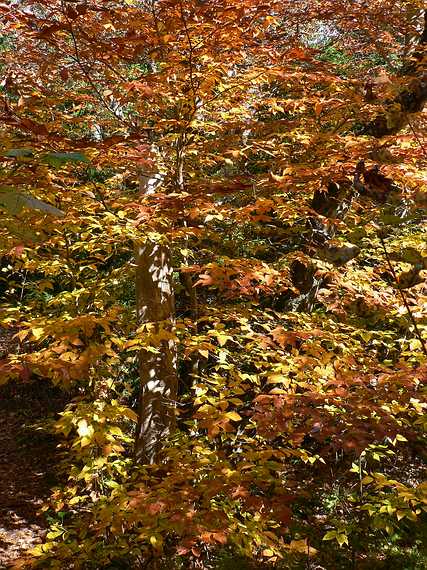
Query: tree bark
(157, 365)
(395, 117)
(411, 98)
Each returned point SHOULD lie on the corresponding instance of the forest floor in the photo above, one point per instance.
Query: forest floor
(28, 459)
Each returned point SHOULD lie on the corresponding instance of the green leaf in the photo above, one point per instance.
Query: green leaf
(392, 220)
(330, 535)
(14, 202)
(11, 200)
(411, 255)
(19, 153)
(58, 159)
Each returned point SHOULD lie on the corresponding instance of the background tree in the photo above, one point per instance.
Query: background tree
(276, 212)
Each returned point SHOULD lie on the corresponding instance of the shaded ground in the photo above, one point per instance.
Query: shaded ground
(27, 465)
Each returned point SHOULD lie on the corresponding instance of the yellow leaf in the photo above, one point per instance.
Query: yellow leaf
(41, 549)
(400, 437)
(22, 334)
(278, 379)
(276, 177)
(37, 332)
(115, 430)
(234, 416)
(302, 547)
(45, 285)
(223, 338)
(267, 552)
(130, 414)
(74, 500)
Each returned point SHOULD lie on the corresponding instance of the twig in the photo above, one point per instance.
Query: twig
(402, 295)
(417, 138)
(89, 79)
(70, 262)
(24, 281)
(190, 52)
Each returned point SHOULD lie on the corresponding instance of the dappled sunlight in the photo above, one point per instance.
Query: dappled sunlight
(213, 280)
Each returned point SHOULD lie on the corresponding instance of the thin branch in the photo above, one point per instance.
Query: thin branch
(91, 81)
(190, 51)
(70, 262)
(24, 281)
(417, 138)
(402, 295)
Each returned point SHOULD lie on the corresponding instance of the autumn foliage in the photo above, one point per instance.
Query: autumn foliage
(275, 152)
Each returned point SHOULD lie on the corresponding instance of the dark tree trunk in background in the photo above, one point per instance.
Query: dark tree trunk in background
(411, 98)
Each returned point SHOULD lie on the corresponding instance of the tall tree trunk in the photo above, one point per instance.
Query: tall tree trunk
(157, 370)
(155, 304)
(156, 307)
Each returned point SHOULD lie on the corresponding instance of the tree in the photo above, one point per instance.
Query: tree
(215, 149)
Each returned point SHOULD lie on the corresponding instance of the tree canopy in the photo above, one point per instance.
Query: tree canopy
(213, 241)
